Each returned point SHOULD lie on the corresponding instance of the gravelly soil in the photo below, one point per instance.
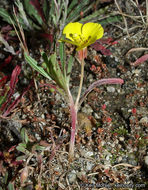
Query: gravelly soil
(112, 137)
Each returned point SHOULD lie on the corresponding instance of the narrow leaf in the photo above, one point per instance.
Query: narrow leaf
(62, 56)
(46, 9)
(37, 6)
(21, 149)
(98, 83)
(22, 14)
(16, 101)
(6, 177)
(41, 148)
(75, 13)
(94, 16)
(5, 15)
(13, 82)
(69, 67)
(34, 65)
(24, 135)
(55, 71)
(2, 100)
(72, 5)
(14, 77)
(10, 186)
(31, 10)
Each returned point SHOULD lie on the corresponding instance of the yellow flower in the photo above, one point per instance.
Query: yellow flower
(82, 35)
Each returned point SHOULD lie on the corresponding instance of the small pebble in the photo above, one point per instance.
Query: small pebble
(87, 109)
(116, 141)
(16, 95)
(81, 174)
(121, 139)
(89, 165)
(144, 120)
(102, 143)
(108, 157)
(113, 145)
(72, 176)
(87, 153)
(119, 159)
(110, 89)
(37, 137)
(136, 71)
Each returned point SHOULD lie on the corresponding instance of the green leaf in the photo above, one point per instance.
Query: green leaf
(39, 147)
(34, 65)
(111, 19)
(2, 100)
(75, 13)
(62, 56)
(10, 186)
(94, 16)
(6, 177)
(22, 145)
(21, 158)
(32, 11)
(22, 148)
(72, 5)
(54, 71)
(5, 15)
(24, 135)
(69, 67)
(46, 9)
(52, 12)
(23, 18)
(44, 56)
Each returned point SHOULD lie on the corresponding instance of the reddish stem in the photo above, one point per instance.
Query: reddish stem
(73, 113)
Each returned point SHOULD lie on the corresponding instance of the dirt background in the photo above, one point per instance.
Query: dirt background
(111, 143)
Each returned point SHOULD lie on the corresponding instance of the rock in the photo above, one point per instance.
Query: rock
(121, 139)
(87, 109)
(108, 157)
(86, 154)
(110, 89)
(119, 159)
(16, 95)
(136, 72)
(72, 176)
(89, 165)
(144, 120)
(81, 174)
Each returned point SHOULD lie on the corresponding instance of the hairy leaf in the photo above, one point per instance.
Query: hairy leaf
(37, 6)
(33, 63)
(5, 15)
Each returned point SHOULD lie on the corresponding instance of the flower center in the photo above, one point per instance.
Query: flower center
(80, 39)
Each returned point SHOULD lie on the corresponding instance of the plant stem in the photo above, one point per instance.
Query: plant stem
(74, 107)
(73, 132)
(81, 83)
(73, 113)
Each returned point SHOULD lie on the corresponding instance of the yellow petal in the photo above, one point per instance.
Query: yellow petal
(93, 30)
(72, 28)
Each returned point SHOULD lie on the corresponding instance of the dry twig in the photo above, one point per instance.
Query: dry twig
(125, 22)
